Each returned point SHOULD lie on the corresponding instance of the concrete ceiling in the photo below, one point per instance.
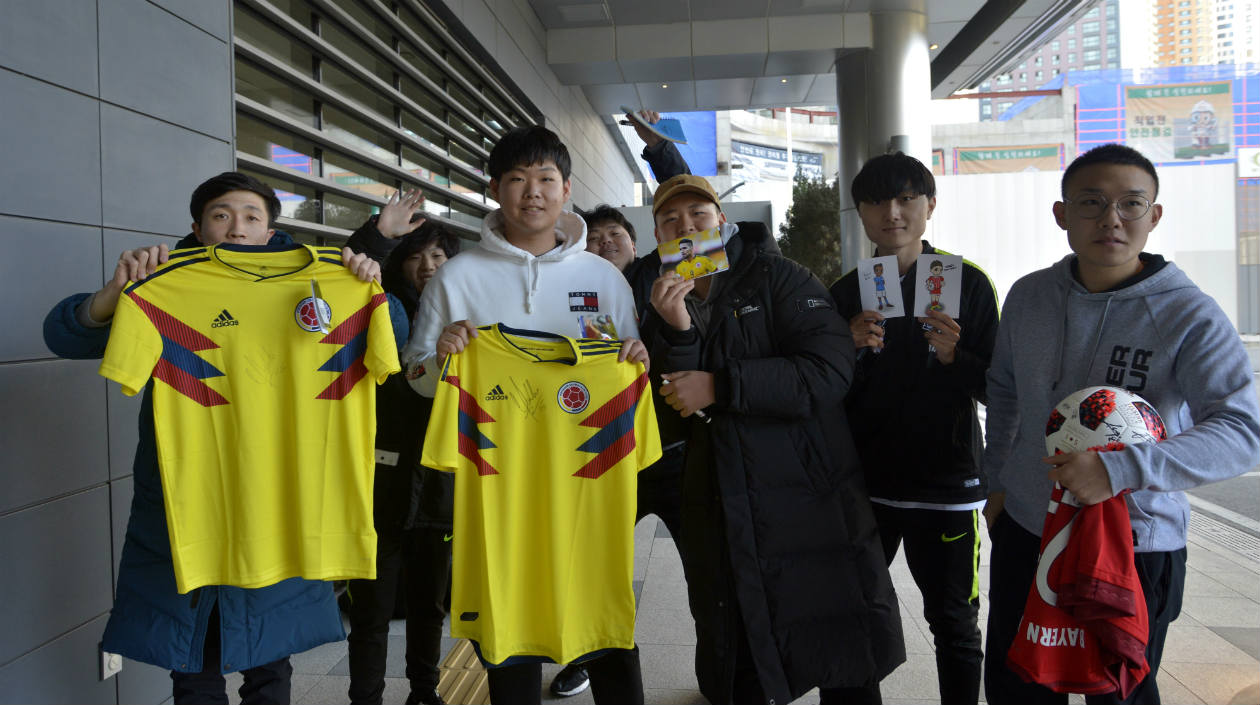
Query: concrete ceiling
(721, 54)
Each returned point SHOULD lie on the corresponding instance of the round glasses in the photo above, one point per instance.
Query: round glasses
(1130, 207)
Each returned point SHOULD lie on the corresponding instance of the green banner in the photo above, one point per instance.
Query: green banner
(995, 160)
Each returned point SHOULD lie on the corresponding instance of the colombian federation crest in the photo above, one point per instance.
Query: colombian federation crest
(573, 397)
(308, 315)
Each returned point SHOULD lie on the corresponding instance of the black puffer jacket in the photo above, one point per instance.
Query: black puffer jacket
(775, 515)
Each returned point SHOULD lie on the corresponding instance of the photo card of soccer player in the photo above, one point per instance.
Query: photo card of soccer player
(938, 281)
(694, 256)
(880, 286)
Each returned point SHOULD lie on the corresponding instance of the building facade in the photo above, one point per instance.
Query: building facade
(1089, 43)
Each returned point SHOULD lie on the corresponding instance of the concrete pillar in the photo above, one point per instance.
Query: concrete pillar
(883, 96)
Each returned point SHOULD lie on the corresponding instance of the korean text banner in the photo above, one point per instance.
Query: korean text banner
(997, 160)
(1187, 121)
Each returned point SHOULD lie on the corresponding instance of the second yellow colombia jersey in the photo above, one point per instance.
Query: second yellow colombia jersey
(546, 436)
(265, 422)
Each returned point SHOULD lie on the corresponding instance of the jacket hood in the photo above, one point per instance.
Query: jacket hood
(1168, 279)
(747, 236)
(570, 234)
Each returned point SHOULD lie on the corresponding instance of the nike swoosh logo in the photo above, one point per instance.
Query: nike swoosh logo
(951, 539)
(448, 537)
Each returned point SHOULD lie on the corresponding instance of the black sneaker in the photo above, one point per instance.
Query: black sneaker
(429, 698)
(571, 680)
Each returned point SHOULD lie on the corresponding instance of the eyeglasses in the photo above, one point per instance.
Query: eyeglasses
(1130, 207)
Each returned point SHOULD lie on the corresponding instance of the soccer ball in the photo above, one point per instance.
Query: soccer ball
(1102, 418)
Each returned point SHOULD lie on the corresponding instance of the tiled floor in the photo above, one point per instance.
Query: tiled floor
(1213, 650)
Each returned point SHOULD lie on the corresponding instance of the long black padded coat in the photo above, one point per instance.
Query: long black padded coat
(776, 520)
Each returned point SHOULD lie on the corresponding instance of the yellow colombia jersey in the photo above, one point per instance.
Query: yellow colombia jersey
(265, 424)
(697, 267)
(546, 436)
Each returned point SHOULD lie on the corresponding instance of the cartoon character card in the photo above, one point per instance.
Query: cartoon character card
(880, 286)
(938, 283)
(695, 256)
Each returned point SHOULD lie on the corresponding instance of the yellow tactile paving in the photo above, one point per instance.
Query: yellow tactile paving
(462, 679)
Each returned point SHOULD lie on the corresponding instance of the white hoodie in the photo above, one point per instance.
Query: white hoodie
(497, 282)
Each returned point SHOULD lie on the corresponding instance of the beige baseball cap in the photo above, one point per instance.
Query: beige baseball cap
(683, 183)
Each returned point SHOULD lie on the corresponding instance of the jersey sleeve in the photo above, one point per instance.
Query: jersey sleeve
(381, 357)
(134, 348)
(649, 449)
(441, 438)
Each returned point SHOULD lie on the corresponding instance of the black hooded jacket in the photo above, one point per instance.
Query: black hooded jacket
(776, 519)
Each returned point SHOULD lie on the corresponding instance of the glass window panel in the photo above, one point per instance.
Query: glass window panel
(424, 168)
(264, 87)
(422, 63)
(370, 20)
(352, 47)
(299, 10)
(421, 130)
(343, 83)
(423, 97)
(358, 135)
(271, 40)
(421, 28)
(463, 127)
(297, 201)
(263, 140)
(341, 212)
(437, 205)
(467, 158)
(463, 69)
(461, 213)
(354, 174)
(502, 105)
(463, 185)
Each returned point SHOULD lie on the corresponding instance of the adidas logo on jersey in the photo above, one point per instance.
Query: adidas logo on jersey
(224, 320)
(496, 394)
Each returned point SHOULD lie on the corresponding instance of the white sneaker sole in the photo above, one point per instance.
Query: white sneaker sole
(568, 693)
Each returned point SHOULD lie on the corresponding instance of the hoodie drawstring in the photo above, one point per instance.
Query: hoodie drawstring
(531, 286)
(1098, 333)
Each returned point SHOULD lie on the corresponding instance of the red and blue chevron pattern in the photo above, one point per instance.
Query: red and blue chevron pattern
(471, 440)
(615, 438)
(351, 335)
(180, 366)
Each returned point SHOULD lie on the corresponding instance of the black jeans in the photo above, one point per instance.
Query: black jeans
(268, 684)
(1012, 566)
(616, 679)
(943, 553)
(423, 557)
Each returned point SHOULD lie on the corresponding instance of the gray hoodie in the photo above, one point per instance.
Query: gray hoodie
(1161, 338)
